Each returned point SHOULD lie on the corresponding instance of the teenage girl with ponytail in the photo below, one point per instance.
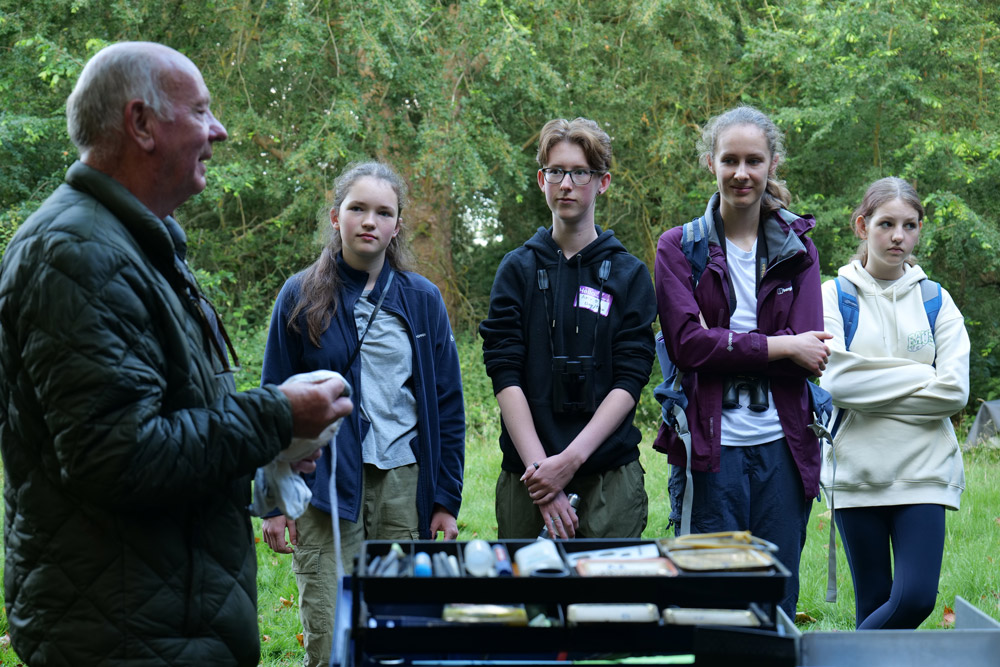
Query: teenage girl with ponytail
(895, 465)
(750, 332)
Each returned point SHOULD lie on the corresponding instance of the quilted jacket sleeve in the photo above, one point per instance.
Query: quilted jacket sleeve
(122, 385)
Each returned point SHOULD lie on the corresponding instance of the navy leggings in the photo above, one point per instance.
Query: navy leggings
(887, 599)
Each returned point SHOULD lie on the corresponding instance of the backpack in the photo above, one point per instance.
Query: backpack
(673, 401)
(670, 392)
(847, 301)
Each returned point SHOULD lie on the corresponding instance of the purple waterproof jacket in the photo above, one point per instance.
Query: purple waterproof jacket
(788, 302)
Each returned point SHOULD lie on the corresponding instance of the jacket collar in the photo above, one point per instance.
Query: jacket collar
(155, 236)
(782, 229)
(356, 280)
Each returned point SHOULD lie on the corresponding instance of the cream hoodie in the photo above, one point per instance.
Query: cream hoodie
(895, 444)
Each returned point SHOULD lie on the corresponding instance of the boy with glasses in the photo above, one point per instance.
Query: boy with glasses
(568, 344)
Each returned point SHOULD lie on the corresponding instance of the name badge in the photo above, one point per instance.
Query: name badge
(593, 300)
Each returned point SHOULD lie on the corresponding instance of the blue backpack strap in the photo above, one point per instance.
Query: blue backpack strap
(930, 291)
(847, 301)
(694, 244)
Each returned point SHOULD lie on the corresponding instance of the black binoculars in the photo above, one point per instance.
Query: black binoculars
(573, 385)
(756, 386)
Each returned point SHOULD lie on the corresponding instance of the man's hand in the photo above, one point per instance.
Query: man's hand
(443, 522)
(273, 529)
(315, 405)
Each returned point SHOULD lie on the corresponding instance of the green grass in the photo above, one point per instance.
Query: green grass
(971, 568)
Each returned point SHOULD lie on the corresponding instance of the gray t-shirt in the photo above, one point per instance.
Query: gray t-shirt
(387, 400)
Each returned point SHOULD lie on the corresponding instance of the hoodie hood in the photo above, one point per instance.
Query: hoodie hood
(549, 253)
(857, 274)
(569, 278)
(885, 300)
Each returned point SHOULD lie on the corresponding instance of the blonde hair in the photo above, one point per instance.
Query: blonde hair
(776, 195)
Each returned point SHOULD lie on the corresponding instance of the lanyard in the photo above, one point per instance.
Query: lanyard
(371, 318)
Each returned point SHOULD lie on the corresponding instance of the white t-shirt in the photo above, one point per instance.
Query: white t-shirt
(742, 426)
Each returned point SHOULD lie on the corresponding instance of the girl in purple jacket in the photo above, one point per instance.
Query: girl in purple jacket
(748, 333)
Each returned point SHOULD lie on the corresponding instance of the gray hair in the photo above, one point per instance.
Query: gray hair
(95, 110)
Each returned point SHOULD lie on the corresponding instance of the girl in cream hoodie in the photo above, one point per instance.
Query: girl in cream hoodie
(895, 465)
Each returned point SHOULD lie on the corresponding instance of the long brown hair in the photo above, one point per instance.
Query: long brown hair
(880, 192)
(776, 195)
(319, 288)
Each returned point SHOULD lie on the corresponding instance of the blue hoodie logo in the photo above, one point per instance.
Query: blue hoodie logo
(919, 340)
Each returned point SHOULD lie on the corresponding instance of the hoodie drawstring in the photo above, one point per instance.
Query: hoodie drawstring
(552, 314)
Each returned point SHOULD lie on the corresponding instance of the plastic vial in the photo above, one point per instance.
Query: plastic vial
(479, 559)
(422, 565)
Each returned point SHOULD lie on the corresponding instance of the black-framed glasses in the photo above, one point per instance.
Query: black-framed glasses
(578, 176)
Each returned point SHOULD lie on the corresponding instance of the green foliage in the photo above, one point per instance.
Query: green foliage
(454, 93)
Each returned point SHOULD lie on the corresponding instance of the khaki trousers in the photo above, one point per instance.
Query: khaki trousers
(388, 512)
(612, 504)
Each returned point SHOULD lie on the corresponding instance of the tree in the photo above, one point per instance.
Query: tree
(454, 93)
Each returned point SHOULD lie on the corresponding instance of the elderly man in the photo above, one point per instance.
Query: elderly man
(126, 448)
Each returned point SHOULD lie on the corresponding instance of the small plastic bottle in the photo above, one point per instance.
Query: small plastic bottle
(574, 500)
(422, 564)
(479, 559)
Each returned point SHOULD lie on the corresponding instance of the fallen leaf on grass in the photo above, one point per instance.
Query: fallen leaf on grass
(266, 638)
(287, 603)
(256, 539)
(997, 520)
(821, 525)
(301, 638)
(948, 618)
(5, 640)
(802, 618)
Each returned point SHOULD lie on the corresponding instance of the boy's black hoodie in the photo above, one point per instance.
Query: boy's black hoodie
(519, 340)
